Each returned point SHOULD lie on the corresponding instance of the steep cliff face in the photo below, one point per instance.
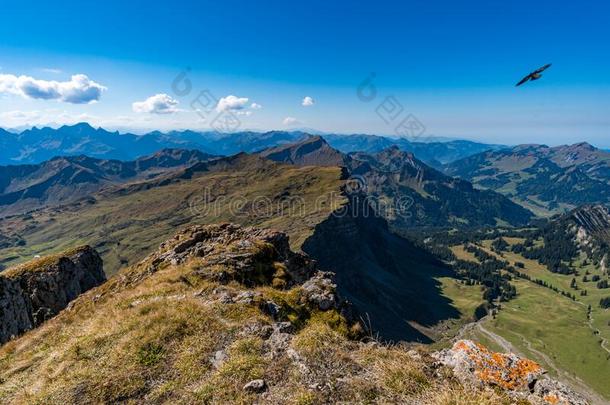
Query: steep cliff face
(389, 280)
(34, 292)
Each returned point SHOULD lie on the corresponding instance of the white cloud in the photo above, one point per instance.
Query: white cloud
(79, 90)
(157, 104)
(231, 103)
(307, 102)
(256, 106)
(290, 121)
(244, 113)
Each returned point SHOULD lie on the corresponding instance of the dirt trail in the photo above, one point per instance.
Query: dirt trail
(596, 331)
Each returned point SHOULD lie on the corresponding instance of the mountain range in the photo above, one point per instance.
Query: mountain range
(476, 256)
(305, 189)
(546, 180)
(415, 194)
(36, 145)
(406, 191)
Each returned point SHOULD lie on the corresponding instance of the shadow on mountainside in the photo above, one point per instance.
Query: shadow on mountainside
(388, 279)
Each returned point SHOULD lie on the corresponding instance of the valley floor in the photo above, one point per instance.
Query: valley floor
(542, 324)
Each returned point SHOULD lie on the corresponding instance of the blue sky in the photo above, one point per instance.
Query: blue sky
(452, 66)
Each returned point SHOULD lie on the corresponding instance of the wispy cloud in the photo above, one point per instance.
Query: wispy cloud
(51, 70)
(288, 121)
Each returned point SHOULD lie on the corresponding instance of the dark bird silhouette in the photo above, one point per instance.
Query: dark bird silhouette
(535, 75)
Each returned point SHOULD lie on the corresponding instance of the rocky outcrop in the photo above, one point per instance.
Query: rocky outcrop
(36, 291)
(473, 364)
(251, 256)
(592, 218)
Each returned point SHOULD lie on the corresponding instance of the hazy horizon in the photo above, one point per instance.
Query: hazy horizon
(309, 131)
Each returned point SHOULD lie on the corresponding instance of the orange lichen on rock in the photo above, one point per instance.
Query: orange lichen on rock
(551, 399)
(504, 370)
(473, 363)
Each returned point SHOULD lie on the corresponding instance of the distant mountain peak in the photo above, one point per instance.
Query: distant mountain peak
(550, 180)
(311, 151)
(314, 139)
(395, 155)
(585, 145)
(81, 126)
(581, 146)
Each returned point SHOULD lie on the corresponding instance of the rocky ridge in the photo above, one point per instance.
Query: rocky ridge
(592, 218)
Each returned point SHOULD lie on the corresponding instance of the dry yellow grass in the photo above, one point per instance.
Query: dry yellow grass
(154, 337)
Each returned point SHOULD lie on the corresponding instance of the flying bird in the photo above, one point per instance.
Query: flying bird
(535, 75)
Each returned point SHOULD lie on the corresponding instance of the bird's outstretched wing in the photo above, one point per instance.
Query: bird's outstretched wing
(542, 69)
(525, 79)
(534, 75)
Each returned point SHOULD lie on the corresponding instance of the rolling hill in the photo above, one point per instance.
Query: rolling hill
(125, 222)
(62, 180)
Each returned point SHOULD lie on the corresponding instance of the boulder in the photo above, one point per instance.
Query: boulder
(255, 386)
(474, 364)
(320, 291)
